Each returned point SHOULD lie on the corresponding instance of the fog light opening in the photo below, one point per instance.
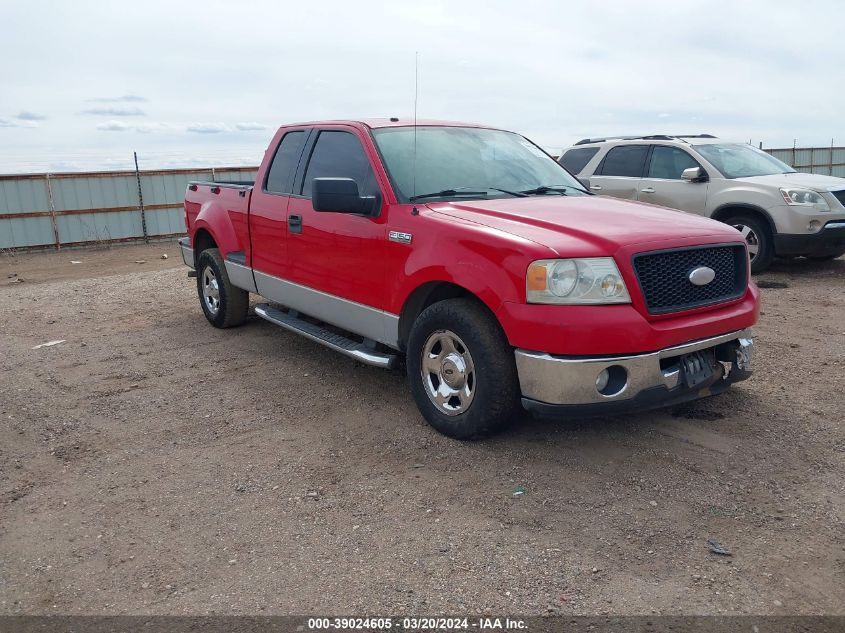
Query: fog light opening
(612, 380)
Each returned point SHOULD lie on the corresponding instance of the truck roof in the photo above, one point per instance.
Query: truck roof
(391, 122)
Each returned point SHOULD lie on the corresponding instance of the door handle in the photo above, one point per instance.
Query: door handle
(595, 187)
(647, 190)
(295, 224)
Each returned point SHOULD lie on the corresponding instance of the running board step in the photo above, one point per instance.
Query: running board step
(359, 351)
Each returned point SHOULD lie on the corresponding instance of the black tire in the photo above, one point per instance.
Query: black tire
(232, 302)
(494, 385)
(761, 235)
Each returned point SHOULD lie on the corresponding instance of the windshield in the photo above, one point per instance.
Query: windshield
(468, 163)
(742, 161)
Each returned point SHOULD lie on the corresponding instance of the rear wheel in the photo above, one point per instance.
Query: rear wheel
(223, 304)
(462, 370)
(758, 237)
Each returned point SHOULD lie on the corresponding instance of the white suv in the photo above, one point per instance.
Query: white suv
(779, 211)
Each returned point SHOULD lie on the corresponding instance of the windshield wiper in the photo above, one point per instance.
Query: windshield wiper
(561, 189)
(448, 193)
(465, 191)
(518, 194)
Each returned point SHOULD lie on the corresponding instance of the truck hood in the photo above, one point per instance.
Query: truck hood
(586, 225)
(816, 182)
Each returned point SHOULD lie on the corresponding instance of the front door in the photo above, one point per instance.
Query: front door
(335, 261)
(663, 184)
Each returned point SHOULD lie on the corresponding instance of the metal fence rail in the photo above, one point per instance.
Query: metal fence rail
(829, 161)
(38, 210)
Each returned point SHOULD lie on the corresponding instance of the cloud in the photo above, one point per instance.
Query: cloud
(208, 128)
(17, 122)
(26, 115)
(250, 126)
(142, 128)
(115, 126)
(123, 99)
(115, 112)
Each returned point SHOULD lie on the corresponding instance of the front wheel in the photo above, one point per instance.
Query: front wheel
(462, 370)
(223, 304)
(758, 237)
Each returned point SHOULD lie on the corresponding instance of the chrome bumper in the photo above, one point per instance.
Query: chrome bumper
(187, 251)
(560, 380)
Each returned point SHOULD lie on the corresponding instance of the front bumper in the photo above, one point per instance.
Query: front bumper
(187, 251)
(830, 240)
(559, 385)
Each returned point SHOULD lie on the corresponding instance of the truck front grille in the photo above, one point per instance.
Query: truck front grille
(840, 195)
(664, 277)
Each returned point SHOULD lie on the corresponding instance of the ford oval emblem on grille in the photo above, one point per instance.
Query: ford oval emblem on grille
(702, 276)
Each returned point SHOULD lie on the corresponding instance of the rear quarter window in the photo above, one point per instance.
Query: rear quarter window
(574, 160)
(280, 176)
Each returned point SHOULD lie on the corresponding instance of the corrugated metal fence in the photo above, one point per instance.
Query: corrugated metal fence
(829, 161)
(39, 210)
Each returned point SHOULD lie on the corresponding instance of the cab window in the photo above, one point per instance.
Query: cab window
(340, 155)
(280, 176)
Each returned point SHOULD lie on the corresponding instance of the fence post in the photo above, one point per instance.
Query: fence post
(830, 170)
(53, 212)
(141, 200)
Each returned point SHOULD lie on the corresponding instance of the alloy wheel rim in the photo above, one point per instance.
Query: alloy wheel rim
(210, 291)
(448, 372)
(751, 239)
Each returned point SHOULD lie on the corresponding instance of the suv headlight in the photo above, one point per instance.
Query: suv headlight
(796, 196)
(592, 280)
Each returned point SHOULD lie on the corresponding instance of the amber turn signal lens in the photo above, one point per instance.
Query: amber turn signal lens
(536, 277)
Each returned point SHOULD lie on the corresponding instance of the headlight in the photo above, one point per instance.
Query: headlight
(592, 280)
(803, 197)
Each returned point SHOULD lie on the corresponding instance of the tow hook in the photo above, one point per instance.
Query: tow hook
(741, 369)
(743, 354)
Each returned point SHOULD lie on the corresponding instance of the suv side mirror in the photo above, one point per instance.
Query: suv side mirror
(340, 195)
(694, 174)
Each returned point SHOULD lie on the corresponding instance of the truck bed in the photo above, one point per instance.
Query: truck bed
(201, 198)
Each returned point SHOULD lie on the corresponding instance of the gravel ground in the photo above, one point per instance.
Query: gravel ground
(152, 464)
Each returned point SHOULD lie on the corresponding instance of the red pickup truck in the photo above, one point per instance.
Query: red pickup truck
(475, 256)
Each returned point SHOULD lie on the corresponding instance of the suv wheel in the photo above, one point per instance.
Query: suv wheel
(759, 239)
(462, 370)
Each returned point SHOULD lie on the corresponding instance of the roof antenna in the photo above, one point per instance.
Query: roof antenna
(416, 93)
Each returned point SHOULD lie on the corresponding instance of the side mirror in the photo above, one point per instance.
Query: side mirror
(340, 195)
(694, 174)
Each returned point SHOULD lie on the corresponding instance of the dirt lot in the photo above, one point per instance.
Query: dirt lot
(152, 464)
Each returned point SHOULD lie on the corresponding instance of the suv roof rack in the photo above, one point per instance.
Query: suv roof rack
(649, 137)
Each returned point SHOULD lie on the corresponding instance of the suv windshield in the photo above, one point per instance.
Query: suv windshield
(468, 163)
(742, 161)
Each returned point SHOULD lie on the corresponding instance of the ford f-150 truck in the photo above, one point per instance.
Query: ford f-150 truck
(475, 256)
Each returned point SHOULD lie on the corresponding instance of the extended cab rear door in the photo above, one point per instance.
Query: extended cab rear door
(268, 209)
(620, 171)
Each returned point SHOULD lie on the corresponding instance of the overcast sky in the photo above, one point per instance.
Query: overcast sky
(204, 83)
